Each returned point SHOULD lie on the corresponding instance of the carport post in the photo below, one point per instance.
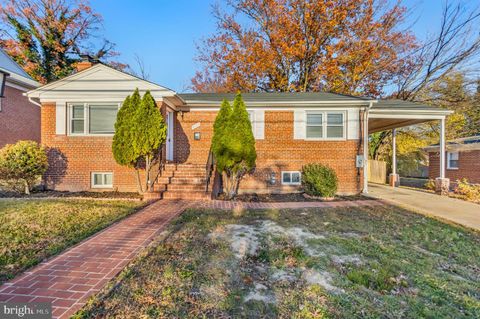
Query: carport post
(394, 179)
(442, 184)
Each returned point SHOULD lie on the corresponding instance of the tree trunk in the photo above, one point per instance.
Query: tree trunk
(27, 187)
(139, 181)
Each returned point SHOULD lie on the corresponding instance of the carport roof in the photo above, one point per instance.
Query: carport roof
(389, 114)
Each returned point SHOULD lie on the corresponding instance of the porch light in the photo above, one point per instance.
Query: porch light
(3, 79)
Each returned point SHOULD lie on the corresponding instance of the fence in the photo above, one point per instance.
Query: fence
(377, 171)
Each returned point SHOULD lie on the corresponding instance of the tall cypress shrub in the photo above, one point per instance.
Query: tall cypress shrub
(233, 145)
(139, 133)
(150, 132)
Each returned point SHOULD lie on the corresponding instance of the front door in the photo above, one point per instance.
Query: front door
(169, 146)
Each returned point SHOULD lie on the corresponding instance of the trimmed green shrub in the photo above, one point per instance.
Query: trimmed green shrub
(233, 145)
(319, 180)
(140, 132)
(22, 164)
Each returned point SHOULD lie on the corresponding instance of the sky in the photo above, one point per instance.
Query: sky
(164, 33)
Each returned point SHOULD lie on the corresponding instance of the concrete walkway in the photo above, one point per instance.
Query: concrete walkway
(443, 207)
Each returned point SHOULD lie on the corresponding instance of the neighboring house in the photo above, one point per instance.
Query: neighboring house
(290, 129)
(19, 118)
(462, 157)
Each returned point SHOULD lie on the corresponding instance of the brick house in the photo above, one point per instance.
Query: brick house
(462, 158)
(19, 118)
(290, 129)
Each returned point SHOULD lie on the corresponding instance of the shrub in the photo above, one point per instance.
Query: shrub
(470, 191)
(22, 163)
(430, 185)
(319, 180)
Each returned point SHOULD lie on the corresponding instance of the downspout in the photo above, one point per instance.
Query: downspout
(365, 147)
(34, 102)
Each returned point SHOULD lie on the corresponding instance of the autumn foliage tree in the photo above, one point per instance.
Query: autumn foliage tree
(46, 36)
(348, 46)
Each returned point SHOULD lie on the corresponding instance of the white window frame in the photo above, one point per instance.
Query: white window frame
(86, 118)
(251, 117)
(325, 125)
(92, 179)
(291, 183)
(449, 154)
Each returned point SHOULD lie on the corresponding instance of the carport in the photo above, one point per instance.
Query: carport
(392, 114)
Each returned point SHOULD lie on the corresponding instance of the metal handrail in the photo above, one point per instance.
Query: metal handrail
(209, 168)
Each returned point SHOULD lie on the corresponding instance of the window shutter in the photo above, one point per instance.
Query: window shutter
(259, 124)
(299, 125)
(60, 119)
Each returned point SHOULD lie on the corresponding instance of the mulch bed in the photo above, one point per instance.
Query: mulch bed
(291, 197)
(60, 194)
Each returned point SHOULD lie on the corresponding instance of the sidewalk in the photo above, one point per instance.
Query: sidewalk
(443, 207)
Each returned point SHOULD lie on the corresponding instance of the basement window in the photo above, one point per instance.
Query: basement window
(452, 160)
(291, 178)
(102, 180)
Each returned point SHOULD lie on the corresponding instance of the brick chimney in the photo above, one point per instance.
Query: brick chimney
(86, 62)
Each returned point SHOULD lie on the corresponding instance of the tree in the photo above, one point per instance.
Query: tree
(122, 147)
(140, 132)
(233, 145)
(149, 133)
(348, 46)
(24, 162)
(46, 36)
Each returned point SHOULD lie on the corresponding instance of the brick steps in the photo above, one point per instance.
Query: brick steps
(183, 181)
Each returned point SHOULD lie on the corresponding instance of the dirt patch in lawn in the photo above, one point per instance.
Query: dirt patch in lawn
(349, 262)
(61, 194)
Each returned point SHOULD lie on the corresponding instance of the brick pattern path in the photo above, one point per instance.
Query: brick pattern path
(232, 205)
(70, 278)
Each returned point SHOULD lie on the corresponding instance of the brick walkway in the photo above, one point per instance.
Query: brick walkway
(217, 204)
(70, 278)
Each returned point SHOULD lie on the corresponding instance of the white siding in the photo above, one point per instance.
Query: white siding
(353, 124)
(299, 124)
(60, 118)
(259, 124)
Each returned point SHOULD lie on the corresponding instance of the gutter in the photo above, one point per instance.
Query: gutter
(34, 102)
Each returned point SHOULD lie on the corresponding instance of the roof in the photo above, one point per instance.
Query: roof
(399, 105)
(274, 98)
(17, 73)
(98, 82)
(469, 143)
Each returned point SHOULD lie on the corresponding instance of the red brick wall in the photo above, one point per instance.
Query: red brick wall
(468, 166)
(19, 119)
(277, 152)
(72, 159)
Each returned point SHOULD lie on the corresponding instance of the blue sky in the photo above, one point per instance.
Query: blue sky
(164, 33)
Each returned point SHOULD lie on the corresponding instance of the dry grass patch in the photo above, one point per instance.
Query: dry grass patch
(31, 230)
(311, 263)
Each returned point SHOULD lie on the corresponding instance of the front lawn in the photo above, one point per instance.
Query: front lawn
(31, 230)
(378, 262)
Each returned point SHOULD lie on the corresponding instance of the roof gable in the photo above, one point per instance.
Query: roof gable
(97, 83)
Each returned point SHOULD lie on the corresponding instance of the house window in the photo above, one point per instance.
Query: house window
(102, 180)
(325, 125)
(95, 119)
(452, 160)
(251, 117)
(291, 178)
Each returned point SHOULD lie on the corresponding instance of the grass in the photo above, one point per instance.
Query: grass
(31, 230)
(370, 262)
